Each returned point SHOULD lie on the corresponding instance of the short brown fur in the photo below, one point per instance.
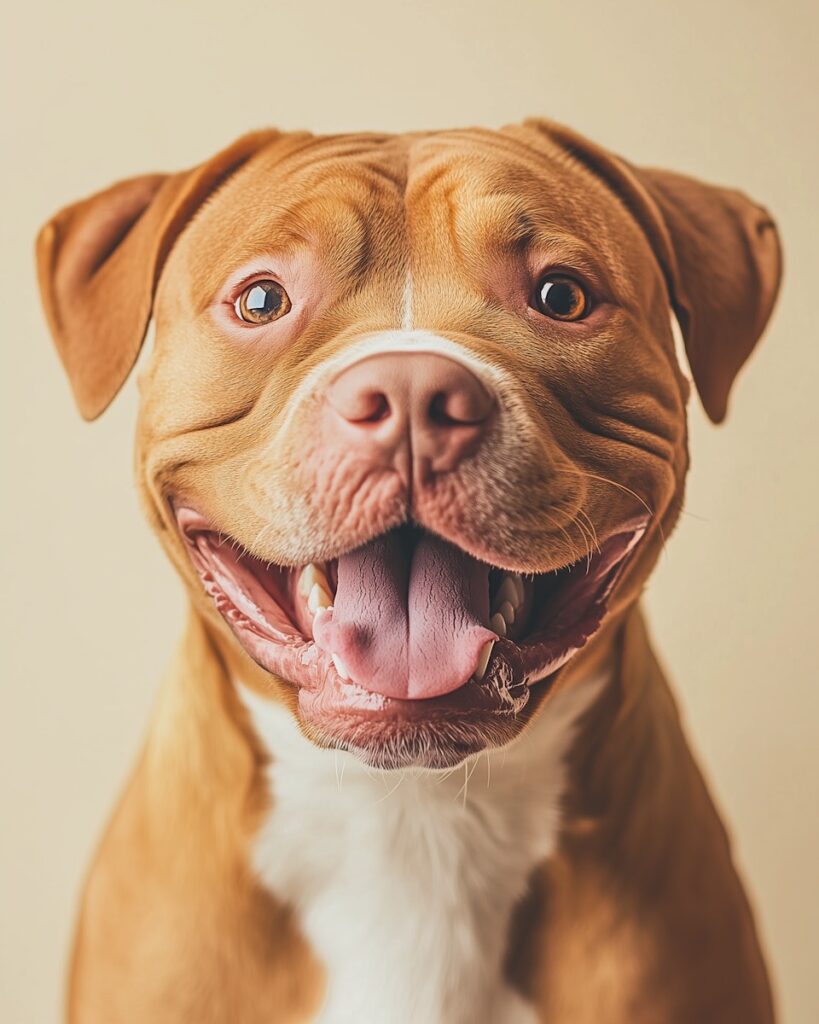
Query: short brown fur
(640, 917)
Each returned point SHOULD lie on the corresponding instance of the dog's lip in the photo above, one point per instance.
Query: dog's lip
(191, 521)
(279, 643)
(388, 731)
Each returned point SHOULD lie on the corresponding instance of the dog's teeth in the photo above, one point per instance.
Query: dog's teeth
(498, 624)
(341, 668)
(508, 592)
(483, 660)
(517, 581)
(508, 612)
(319, 598)
(311, 575)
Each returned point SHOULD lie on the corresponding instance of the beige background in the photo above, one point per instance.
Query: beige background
(95, 91)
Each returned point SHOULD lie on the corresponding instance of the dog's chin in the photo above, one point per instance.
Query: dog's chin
(408, 652)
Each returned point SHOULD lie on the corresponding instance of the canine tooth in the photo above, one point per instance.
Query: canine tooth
(508, 612)
(341, 668)
(311, 575)
(508, 591)
(517, 580)
(483, 660)
(498, 624)
(319, 598)
(319, 613)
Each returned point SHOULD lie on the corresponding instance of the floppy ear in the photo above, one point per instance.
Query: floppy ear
(719, 253)
(99, 260)
(724, 268)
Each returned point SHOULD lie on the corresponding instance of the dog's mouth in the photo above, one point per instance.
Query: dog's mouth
(408, 650)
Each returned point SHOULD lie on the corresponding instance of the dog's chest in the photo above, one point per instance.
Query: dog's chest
(404, 883)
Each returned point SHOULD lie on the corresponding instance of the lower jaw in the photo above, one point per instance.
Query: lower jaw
(437, 739)
(388, 733)
(434, 733)
(437, 732)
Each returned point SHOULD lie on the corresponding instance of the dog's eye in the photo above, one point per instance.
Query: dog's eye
(262, 302)
(561, 298)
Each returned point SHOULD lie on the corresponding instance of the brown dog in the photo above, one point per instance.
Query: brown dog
(413, 433)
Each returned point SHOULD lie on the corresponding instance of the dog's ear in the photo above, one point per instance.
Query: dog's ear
(722, 258)
(719, 253)
(99, 260)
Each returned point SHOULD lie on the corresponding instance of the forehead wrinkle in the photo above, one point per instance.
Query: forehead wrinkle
(374, 175)
(341, 227)
(567, 250)
(505, 166)
(479, 176)
(317, 150)
(504, 225)
(494, 165)
(349, 206)
(483, 143)
(507, 226)
(342, 162)
(501, 221)
(523, 206)
(521, 236)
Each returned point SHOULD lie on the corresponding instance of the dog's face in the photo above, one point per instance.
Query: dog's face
(414, 427)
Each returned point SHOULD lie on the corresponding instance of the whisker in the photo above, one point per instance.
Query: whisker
(556, 524)
(606, 480)
(619, 486)
(468, 770)
(694, 515)
(257, 540)
(587, 517)
(587, 538)
(386, 796)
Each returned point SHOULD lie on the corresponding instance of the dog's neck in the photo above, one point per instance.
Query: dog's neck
(407, 892)
(405, 882)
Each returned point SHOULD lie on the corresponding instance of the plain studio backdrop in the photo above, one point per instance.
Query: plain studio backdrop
(98, 91)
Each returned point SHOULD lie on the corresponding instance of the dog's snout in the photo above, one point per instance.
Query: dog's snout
(418, 406)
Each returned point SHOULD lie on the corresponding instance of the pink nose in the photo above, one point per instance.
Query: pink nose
(413, 407)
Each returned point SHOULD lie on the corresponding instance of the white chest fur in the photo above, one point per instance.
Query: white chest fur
(405, 882)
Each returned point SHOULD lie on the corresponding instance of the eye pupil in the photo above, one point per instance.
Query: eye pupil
(262, 302)
(263, 299)
(561, 298)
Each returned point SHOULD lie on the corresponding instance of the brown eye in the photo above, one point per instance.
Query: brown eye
(561, 298)
(262, 302)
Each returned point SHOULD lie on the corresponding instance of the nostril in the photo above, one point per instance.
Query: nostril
(439, 412)
(366, 407)
(459, 408)
(379, 408)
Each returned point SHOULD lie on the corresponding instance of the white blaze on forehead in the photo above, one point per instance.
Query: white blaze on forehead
(406, 312)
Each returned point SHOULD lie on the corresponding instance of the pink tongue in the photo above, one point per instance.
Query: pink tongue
(407, 621)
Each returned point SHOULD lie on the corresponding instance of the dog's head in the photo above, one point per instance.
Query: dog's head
(414, 426)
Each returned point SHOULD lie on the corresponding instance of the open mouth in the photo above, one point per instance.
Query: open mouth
(407, 649)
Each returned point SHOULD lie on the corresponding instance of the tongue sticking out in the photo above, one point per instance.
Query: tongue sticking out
(407, 618)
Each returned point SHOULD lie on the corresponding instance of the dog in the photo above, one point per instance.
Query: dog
(413, 432)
